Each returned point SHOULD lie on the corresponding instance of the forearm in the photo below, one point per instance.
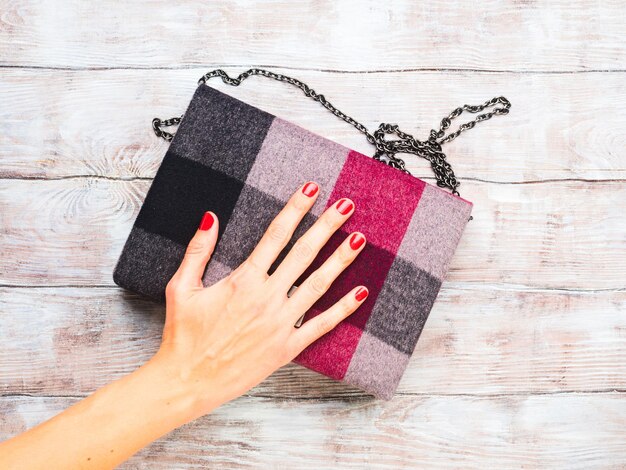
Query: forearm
(218, 342)
(107, 427)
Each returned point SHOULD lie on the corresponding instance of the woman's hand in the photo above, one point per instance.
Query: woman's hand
(218, 342)
(222, 340)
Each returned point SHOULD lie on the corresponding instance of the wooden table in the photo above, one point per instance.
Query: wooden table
(522, 363)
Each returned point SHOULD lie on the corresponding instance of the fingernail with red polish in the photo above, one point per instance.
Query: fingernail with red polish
(310, 189)
(344, 206)
(207, 221)
(361, 294)
(356, 240)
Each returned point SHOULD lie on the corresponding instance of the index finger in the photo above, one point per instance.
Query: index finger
(281, 229)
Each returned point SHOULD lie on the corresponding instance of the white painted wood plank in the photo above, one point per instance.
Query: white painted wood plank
(61, 123)
(476, 341)
(485, 336)
(349, 35)
(574, 431)
(558, 235)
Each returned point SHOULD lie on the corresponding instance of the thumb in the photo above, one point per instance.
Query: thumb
(198, 252)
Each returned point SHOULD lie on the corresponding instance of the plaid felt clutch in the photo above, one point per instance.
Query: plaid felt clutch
(244, 163)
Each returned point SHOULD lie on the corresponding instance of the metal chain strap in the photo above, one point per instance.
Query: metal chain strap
(386, 150)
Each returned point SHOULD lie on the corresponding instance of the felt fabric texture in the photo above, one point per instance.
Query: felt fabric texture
(244, 164)
(376, 366)
(147, 263)
(291, 155)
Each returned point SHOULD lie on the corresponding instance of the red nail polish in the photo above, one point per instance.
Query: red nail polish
(207, 221)
(310, 189)
(361, 294)
(344, 206)
(356, 240)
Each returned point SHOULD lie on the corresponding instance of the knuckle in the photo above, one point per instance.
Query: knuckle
(329, 221)
(243, 278)
(250, 265)
(254, 270)
(300, 203)
(195, 247)
(233, 282)
(278, 233)
(287, 354)
(324, 325)
(346, 307)
(318, 284)
(303, 251)
(236, 278)
(345, 255)
(172, 287)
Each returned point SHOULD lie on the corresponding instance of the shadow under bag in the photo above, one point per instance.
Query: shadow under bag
(244, 164)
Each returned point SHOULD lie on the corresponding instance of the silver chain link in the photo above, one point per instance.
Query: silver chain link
(386, 150)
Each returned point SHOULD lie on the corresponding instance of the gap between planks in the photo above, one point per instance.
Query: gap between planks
(461, 286)
(427, 178)
(357, 397)
(317, 69)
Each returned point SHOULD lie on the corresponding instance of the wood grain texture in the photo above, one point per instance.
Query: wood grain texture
(66, 123)
(551, 235)
(522, 363)
(349, 35)
(484, 341)
(545, 431)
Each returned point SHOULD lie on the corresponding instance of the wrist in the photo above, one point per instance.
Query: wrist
(169, 399)
(186, 397)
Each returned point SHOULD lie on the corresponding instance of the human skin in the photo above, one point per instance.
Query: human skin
(218, 342)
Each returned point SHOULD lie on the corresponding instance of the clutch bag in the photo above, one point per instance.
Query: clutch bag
(244, 163)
